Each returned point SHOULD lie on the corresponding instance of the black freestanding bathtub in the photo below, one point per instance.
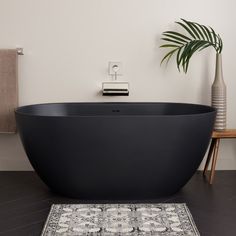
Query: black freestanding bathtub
(115, 150)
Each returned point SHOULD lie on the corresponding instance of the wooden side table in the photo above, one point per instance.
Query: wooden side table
(213, 150)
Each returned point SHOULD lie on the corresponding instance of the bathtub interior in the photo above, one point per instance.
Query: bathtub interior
(104, 109)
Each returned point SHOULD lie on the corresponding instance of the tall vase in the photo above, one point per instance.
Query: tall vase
(218, 95)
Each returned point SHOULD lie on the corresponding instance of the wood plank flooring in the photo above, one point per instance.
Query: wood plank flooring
(25, 202)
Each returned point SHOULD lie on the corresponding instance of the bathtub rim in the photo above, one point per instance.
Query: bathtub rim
(211, 110)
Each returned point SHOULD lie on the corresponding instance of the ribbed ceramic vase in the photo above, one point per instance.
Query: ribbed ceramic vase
(218, 95)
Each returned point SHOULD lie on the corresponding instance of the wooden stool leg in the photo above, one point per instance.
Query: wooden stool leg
(211, 149)
(213, 164)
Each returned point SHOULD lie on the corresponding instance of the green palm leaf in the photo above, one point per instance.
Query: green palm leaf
(198, 45)
(184, 46)
(169, 46)
(168, 55)
(171, 36)
(186, 28)
(172, 40)
(214, 35)
(177, 34)
(208, 33)
(191, 26)
(204, 31)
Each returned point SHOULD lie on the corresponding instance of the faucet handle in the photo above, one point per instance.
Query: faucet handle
(115, 68)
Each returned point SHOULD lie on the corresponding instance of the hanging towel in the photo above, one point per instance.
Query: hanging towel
(8, 89)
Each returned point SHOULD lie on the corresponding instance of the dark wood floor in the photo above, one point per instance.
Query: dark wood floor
(25, 202)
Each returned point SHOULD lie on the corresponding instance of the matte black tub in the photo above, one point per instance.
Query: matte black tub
(115, 150)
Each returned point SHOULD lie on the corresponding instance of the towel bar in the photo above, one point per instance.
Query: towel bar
(20, 51)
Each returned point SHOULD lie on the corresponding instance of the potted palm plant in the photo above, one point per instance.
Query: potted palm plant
(183, 46)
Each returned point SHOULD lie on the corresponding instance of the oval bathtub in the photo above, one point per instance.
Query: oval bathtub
(115, 150)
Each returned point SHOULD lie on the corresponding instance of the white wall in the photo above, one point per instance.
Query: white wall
(68, 43)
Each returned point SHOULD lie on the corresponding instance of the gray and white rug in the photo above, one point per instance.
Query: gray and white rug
(120, 219)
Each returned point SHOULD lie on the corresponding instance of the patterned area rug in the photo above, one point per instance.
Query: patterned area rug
(120, 219)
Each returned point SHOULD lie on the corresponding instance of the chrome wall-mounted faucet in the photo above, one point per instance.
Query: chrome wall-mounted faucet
(115, 68)
(115, 87)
